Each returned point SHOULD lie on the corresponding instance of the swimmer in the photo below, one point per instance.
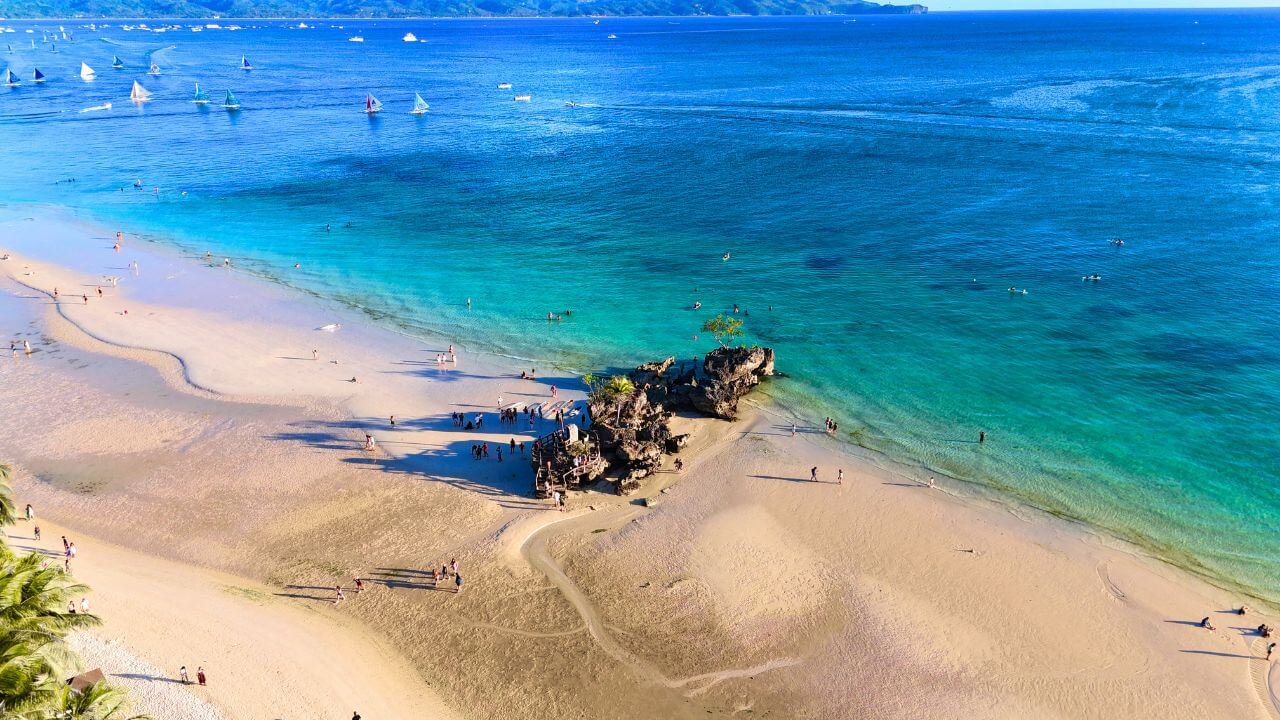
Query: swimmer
(726, 257)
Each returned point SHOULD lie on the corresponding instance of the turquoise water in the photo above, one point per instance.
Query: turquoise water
(879, 183)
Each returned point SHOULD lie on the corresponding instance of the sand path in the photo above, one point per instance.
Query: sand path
(534, 549)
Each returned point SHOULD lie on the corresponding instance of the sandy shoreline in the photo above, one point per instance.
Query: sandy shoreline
(746, 588)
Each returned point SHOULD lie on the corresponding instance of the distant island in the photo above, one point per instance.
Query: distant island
(438, 8)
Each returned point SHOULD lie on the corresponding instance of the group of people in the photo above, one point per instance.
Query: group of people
(186, 679)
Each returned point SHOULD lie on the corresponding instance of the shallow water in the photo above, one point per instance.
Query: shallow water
(879, 183)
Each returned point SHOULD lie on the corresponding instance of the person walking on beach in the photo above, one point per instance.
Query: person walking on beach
(1270, 649)
(457, 583)
(359, 585)
(37, 533)
(65, 545)
(337, 594)
(813, 473)
(182, 675)
(31, 513)
(200, 675)
(793, 429)
(982, 437)
(315, 354)
(840, 476)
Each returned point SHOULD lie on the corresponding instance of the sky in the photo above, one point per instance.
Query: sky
(1089, 4)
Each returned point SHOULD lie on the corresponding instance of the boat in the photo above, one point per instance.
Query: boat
(154, 70)
(420, 106)
(202, 97)
(10, 79)
(303, 26)
(116, 62)
(53, 47)
(371, 105)
(612, 36)
(570, 103)
(230, 102)
(103, 106)
(355, 38)
(86, 72)
(523, 98)
(504, 86)
(410, 37)
(139, 94)
(244, 63)
(37, 76)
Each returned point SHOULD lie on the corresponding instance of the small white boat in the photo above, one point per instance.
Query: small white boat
(372, 106)
(420, 106)
(409, 37)
(504, 86)
(523, 98)
(303, 26)
(201, 98)
(355, 38)
(612, 36)
(154, 70)
(37, 76)
(103, 106)
(570, 103)
(139, 94)
(230, 102)
(86, 72)
(11, 79)
(244, 63)
(116, 62)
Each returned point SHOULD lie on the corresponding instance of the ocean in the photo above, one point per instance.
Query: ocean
(880, 184)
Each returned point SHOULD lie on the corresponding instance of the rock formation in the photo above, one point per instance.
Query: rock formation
(632, 425)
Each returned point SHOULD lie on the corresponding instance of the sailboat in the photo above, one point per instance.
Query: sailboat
(420, 106)
(116, 62)
(10, 79)
(230, 102)
(409, 37)
(53, 47)
(139, 94)
(86, 72)
(201, 98)
(155, 69)
(244, 63)
(37, 76)
(371, 104)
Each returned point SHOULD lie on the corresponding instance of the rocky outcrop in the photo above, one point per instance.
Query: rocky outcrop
(633, 428)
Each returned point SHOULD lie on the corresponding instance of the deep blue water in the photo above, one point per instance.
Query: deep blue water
(880, 183)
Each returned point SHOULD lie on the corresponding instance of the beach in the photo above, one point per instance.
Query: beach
(214, 467)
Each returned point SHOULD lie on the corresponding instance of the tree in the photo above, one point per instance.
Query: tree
(96, 702)
(723, 329)
(8, 511)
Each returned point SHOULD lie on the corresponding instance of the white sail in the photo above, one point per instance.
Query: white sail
(420, 106)
(410, 37)
(86, 72)
(139, 93)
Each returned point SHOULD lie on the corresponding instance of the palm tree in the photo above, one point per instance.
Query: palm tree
(8, 512)
(99, 701)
